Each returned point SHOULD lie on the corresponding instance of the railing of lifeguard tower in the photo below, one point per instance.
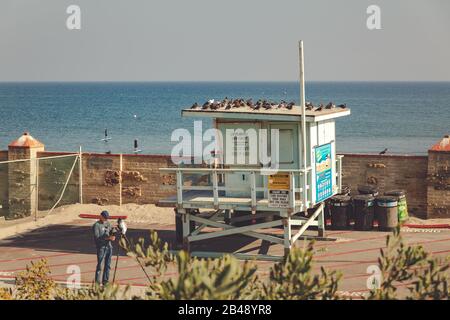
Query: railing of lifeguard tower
(252, 189)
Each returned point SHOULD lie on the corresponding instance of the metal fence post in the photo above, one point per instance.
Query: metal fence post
(36, 190)
(120, 179)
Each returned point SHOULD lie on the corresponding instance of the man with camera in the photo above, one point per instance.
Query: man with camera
(103, 236)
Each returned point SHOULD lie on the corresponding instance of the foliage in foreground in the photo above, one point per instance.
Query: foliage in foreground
(182, 276)
(294, 279)
(424, 276)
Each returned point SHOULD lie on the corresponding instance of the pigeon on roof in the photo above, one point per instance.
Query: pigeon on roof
(290, 105)
(330, 105)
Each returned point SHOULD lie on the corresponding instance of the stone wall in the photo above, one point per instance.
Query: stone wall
(438, 190)
(390, 172)
(425, 179)
(141, 180)
(3, 184)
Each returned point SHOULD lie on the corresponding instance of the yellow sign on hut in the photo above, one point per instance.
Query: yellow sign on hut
(279, 181)
(279, 186)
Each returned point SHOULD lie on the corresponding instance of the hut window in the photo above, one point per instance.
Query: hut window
(286, 152)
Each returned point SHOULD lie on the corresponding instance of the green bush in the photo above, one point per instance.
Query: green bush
(424, 276)
(207, 279)
(293, 278)
(6, 294)
(35, 283)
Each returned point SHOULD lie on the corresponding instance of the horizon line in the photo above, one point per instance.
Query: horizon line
(222, 81)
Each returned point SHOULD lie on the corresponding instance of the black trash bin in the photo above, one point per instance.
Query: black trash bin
(340, 211)
(386, 212)
(368, 189)
(363, 211)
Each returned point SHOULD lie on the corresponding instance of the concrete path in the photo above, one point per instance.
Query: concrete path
(70, 245)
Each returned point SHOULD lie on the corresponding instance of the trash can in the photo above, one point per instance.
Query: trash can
(340, 211)
(386, 212)
(402, 205)
(363, 211)
(368, 189)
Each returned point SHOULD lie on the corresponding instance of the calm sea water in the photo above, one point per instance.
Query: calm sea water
(404, 117)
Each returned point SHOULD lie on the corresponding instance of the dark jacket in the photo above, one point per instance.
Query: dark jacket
(101, 233)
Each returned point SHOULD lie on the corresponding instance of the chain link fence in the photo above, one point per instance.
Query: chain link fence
(37, 186)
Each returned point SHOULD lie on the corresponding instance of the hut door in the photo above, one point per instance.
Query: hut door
(288, 145)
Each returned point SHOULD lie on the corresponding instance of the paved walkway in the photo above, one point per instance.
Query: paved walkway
(71, 244)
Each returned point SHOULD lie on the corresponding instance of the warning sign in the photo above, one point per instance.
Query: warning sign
(279, 185)
(279, 181)
(278, 198)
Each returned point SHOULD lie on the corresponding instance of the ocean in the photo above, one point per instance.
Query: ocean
(405, 117)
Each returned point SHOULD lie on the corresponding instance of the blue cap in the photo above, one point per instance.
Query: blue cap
(105, 214)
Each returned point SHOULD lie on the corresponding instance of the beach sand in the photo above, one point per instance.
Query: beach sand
(137, 214)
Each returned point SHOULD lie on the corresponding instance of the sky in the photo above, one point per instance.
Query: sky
(226, 40)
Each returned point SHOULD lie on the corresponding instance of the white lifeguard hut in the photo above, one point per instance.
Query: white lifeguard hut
(287, 188)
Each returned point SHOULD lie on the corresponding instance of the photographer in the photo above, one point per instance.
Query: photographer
(103, 236)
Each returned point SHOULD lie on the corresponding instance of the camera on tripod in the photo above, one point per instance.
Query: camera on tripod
(120, 229)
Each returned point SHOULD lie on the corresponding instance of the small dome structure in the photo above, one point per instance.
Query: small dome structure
(443, 145)
(26, 141)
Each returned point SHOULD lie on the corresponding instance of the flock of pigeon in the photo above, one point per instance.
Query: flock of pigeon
(228, 104)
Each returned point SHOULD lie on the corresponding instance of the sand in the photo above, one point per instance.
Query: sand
(414, 220)
(137, 214)
(146, 213)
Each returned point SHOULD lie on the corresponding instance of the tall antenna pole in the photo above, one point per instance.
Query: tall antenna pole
(302, 104)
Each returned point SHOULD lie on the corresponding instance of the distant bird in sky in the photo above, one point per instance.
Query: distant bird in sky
(384, 151)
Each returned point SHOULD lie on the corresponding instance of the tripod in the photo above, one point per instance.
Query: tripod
(121, 235)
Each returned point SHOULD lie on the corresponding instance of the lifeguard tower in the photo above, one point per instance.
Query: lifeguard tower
(254, 195)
